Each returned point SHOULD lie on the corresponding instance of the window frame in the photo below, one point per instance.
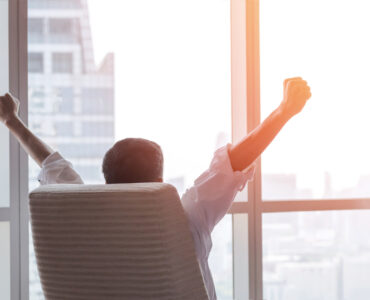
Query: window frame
(17, 212)
(245, 25)
(245, 83)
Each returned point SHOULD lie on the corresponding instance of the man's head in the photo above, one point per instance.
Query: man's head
(133, 160)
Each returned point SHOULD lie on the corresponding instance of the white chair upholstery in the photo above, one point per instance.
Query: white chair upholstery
(122, 241)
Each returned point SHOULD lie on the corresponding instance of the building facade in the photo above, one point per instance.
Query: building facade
(71, 97)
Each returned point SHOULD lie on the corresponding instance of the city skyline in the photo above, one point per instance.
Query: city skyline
(71, 98)
(185, 113)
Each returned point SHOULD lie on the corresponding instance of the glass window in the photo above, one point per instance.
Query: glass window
(62, 63)
(221, 258)
(168, 82)
(97, 100)
(316, 255)
(60, 26)
(35, 26)
(80, 150)
(55, 4)
(4, 259)
(36, 100)
(35, 62)
(35, 30)
(97, 128)
(62, 30)
(65, 96)
(63, 128)
(90, 172)
(324, 152)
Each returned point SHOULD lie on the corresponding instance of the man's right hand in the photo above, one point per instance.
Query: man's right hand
(9, 107)
(296, 94)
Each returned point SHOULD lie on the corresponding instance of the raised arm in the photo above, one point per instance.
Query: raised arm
(296, 94)
(36, 148)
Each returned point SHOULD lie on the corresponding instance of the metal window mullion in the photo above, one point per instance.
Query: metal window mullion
(22, 157)
(241, 263)
(253, 119)
(18, 161)
(14, 159)
(239, 207)
(315, 205)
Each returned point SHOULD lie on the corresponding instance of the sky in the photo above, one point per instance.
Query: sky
(325, 42)
(173, 81)
(172, 74)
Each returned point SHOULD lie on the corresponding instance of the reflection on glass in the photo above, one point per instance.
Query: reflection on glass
(324, 151)
(105, 70)
(4, 260)
(4, 87)
(316, 255)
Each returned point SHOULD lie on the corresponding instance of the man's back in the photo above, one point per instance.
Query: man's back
(205, 203)
(122, 241)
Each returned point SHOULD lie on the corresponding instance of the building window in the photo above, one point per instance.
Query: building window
(62, 63)
(88, 172)
(54, 4)
(36, 100)
(83, 150)
(35, 62)
(35, 30)
(60, 26)
(63, 129)
(97, 100)
(97, 129)
(65, 100)
(63, 30)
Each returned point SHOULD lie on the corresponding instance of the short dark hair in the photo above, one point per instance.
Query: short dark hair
(133, 160)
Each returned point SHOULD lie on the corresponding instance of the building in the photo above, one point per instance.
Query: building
(71, 98)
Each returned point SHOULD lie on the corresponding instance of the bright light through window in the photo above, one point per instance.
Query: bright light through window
(324, 152)
(101, 71)
(316, 255)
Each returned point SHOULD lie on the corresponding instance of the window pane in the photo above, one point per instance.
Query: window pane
(36, 30)
(155, 75)
(54, 4)
(4, 258)
(97, 128)
(97, 101)
(324, 152)
(316, 255)
(63, 30)
(221, 259)
(4, 87)
(61, 26)
(35, 63)
(62, 62)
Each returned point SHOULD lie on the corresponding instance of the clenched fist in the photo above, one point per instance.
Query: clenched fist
(296, 94)
(9, 107)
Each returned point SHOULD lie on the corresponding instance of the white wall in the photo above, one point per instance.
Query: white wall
(4, 87)
(4, 157)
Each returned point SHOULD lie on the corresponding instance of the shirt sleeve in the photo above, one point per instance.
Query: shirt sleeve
(55, 169)
(213, 192)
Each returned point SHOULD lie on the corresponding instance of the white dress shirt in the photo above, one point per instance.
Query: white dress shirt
(205, 203)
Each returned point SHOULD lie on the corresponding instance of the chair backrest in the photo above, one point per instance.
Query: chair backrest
(122, 241)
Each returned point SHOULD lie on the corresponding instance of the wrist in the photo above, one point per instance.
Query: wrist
(284, 112)
(12, 121)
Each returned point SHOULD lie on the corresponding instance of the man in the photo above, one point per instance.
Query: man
(139, 160)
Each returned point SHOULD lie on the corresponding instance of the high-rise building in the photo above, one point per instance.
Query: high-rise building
(71, 98)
